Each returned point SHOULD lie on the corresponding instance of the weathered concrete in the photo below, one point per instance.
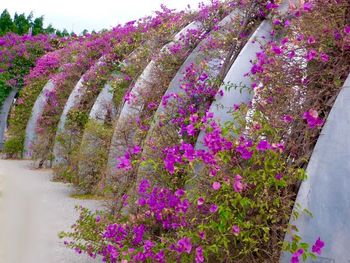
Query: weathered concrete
(237, 77)
(326, 191)
(103, 103)
(73, 101)
(4, 113)
(132, 111)
(37, 112)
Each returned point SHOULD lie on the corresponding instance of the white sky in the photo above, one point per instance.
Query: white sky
(77, 15)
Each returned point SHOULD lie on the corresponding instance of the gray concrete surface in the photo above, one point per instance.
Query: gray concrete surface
(326, 191)
(37, 112)
(33, 209)
(4, 113)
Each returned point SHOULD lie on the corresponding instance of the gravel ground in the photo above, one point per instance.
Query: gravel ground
(33, 209)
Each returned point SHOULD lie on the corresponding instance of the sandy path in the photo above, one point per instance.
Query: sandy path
(32, 211)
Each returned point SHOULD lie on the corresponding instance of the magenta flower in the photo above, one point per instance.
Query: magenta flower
(279, 176)
(296, 256)
(263, 146)
(199, 255)
(311, 54)
(324, 57)
(201, 235)
(237, 184)
(312, 119)
(124, 163)
(136, 150)
(347, 29)
(317, 247)
(190, 130)
(287, 118)
(200, 201)
(307, 7)
(184, 245)
(311, 40)
(235, 230)
(216, 185)
(213, 208)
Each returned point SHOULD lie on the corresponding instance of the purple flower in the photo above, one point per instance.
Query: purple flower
(235, 230)
(200, 201)
(347, 29)
(311, 54)
(296, 255)
(279, 176)
(124, 163)
(263, 146)
(311, 40)
(312, 119)
(190, 130)
(287, 118)
(213, 208)
(199, 255)
(144, 186)
(136, 150)
(324, 57)
(237, 184)
(307, 7)
(317, 247)
(216, 185)
(184, 245)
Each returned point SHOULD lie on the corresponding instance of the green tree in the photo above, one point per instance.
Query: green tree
(6, 23)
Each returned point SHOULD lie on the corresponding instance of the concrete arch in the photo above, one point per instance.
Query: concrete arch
(73, 100)
(132, 111)
(326, 191)
(37, 112)
(4, 114)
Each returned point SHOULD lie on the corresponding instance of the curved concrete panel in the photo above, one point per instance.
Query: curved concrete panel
(326, 191)
(73, 100)
(35, 116)
(237, 77)
(195, 57)
(132, 111)
(102, 104)
(102, 112)
(4, 112)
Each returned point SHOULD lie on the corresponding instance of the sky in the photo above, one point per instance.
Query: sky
(77, 15)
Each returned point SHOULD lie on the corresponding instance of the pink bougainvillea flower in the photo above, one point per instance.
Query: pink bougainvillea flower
(347, 29)
(216, 185)
(213, 208)
(136, 150)
(311, 40)
(200, 201)
(307, 7)
(237, 184)
(190, 130)
(324, 57)
(317, 247)
(279, 176)
(287, 118)
(124, 163)
(202, 235)
(235, 230)
(199, 255)
(263, 146)
(311, 54)
(271, 6)
(184, 245)
(312, 118)
(296, 256)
